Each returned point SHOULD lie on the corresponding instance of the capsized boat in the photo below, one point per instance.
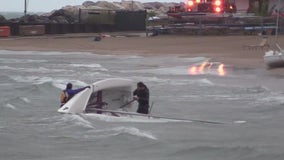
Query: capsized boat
(110, 94)
(113, 97)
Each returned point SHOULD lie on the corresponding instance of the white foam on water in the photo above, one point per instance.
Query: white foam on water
(271, 98)
(135, 132)
(61, 83)
(116, 131)
(98, 67)
(197, 59)
(147, 79)
(199, 82)
(8, 105)
(14, 60)
(77, 120)
(25, 99)
(162, 81)
(7, 52)
(87, 65)
(205, 81)
(129, 130)
(7, 68)
(32, 79)
(240, 122)
(33, 70)
(48, 53)
(133, 57)
(177, 70)
(56, 82)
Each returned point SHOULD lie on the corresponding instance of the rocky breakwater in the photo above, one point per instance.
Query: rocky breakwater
(70, 14)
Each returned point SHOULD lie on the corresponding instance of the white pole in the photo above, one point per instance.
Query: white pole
(25, 10)
(277, 21)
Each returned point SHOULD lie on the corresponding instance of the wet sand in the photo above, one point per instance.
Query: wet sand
(225, 49)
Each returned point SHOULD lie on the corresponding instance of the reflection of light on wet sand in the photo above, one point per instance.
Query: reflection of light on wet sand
(207, 67)
(193, 70)
(221, 71)
(201, 67)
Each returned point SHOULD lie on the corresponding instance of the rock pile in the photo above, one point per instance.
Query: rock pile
(70, 14)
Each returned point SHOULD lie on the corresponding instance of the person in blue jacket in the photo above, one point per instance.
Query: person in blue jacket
(68, 93)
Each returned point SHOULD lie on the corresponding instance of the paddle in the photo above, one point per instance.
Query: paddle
(113, 112)
(150, 109)
(127, 103)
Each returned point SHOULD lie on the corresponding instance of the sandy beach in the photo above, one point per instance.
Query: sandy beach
(226, 49)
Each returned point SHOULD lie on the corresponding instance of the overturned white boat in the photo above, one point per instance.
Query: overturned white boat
(112, 97)
(110, 94)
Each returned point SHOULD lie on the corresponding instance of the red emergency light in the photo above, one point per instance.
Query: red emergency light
(217, 6)
(217, 9)
(190, 3)
(217, 3)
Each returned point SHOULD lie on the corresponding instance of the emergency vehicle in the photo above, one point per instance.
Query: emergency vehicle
(203, 6)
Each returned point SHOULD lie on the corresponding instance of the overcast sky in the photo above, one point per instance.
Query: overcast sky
(36, 5)
(49, 5)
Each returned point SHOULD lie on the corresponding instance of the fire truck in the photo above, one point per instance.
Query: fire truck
(204, 6)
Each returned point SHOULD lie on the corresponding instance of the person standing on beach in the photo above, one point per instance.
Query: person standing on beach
(141, 94)
(68, 93)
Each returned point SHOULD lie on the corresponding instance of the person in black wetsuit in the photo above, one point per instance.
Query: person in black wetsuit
(141, 94)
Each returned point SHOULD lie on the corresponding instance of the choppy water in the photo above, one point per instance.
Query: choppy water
(249, 102)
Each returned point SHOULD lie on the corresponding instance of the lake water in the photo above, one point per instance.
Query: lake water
(248, 102)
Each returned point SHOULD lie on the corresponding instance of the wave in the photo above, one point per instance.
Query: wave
(56, 82)
(176, 70)
(47, 53)
(8, 105)
(272, 98)
(7, 68)
(5, 80)
(90, 66)
(14, 60)
(132, 131)
(76, 120)
(25, 99)
(225, 153)
(33, 70)
(175, 82)
(119, 131)
(112, 134)
(70, 121)
(32, 79)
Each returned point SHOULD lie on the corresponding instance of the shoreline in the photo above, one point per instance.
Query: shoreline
(225, 49)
